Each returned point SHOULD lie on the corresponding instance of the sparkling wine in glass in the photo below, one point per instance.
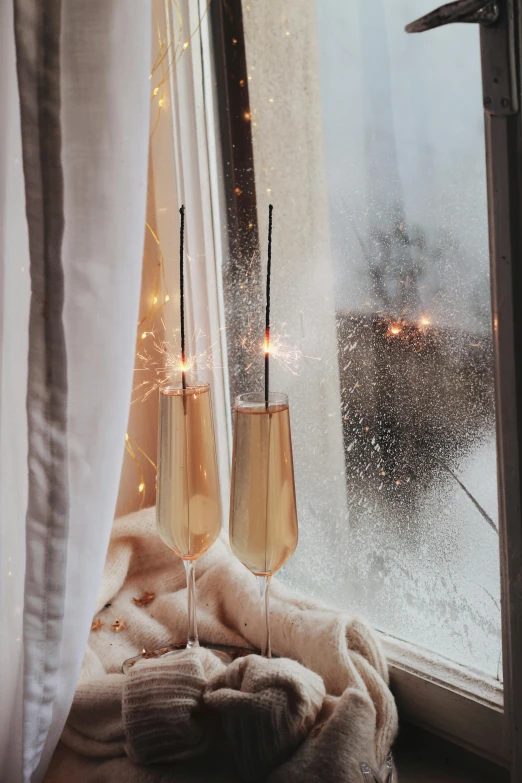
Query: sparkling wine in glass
(188, 507)
(263, 514)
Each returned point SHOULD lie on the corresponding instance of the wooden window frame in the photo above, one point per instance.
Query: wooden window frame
(455, 702)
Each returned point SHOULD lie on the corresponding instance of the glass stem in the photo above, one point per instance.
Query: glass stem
(264, 585)
(190, 570)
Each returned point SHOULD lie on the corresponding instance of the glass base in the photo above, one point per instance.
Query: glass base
(226, 653)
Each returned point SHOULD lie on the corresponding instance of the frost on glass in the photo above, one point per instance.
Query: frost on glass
(377, 156)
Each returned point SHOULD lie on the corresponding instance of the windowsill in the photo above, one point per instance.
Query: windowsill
(423, 758)
(462, 705)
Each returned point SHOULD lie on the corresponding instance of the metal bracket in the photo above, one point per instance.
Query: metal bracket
(497, 42)
(470, 11)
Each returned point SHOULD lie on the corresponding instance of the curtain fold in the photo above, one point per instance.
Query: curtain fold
(37, 38)
(83, 83)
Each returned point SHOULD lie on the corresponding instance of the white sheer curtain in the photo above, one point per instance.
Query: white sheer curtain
(14, 319)
(59, 478)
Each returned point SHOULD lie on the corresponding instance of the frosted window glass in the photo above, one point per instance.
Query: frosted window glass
(370, 142)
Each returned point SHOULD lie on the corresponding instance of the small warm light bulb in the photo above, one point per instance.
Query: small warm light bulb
(126, 436)
(425, 321)
(155, 300)
(144, 334)
(141, 487)
(185, 45)
(156, 91)
(395, 329)
(161, 102)
(246, 115)
(167, 298)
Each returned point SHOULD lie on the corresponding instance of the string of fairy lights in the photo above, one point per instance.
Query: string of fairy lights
(170, 50)
(154, 354)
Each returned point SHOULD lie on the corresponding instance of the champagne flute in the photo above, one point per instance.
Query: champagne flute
(263, 514)
(188, 508)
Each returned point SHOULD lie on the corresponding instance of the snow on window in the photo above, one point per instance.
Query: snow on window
(370, 145)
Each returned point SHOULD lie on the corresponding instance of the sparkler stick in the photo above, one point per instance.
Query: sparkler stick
(267, 320)
(182, 292)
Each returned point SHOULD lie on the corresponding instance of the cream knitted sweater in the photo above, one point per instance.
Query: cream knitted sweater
(313, 718)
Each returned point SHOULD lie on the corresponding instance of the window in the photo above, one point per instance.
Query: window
(381, 278)
(370, 145)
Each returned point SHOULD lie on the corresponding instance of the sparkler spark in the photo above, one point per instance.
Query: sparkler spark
(287, 356)
(163, 362)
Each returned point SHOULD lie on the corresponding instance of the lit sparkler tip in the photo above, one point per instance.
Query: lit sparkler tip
(395, 329)
(425, 321)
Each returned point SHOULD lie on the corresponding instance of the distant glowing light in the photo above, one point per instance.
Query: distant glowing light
(395, 329)
(141, 487)
(144, 335)
(156, 91)
(161, 102)
(247, 115)
(425, 321)
(155, 300)
(185, 45)
(167, 298)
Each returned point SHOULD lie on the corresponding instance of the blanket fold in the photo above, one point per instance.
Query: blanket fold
(333, 693)
(266, 709)
(162, 707)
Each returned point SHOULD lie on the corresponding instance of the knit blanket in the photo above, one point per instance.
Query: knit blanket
(314, 714)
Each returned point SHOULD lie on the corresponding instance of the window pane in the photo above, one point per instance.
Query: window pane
(369, 143)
